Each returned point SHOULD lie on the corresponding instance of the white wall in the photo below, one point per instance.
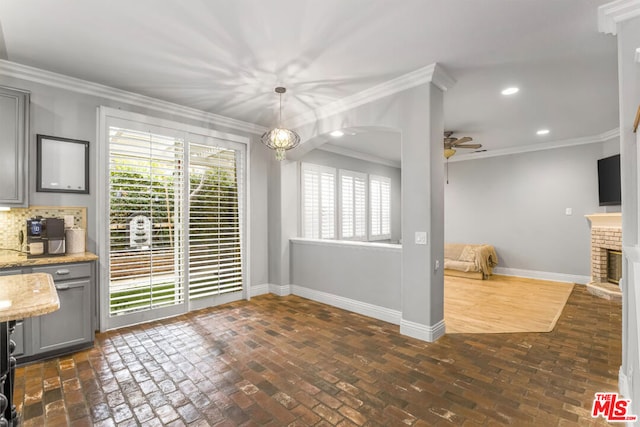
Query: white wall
(517, 203)
(65, 113)
(338, 161)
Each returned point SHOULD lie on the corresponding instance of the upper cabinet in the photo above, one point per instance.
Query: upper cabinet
(14, 136)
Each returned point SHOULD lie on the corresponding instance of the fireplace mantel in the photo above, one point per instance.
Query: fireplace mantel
(606, 220)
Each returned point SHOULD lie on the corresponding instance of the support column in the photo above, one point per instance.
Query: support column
(283, 212)
(423, 215)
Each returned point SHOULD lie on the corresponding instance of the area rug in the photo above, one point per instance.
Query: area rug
(503, 304)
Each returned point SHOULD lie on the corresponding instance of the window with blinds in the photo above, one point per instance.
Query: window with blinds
(145, 193)
(175, 219)
(215, 256)
(353, 205)
(318, 201)
(379, 207)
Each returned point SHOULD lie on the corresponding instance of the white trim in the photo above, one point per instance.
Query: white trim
(542, 275)
(280, 290)
(366, 309)
(610, 14)
(433, 73)
(422, 332)
(49, 78)
(623, 385)
(603, 137)
(341, 243)
(358, 155)
(256, 290)
(632, 253)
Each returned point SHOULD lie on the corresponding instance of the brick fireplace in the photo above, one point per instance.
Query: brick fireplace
(606, 247)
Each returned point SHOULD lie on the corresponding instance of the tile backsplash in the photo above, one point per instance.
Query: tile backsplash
(11, 222)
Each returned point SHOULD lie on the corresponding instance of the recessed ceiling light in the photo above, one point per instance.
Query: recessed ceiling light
(336, 133)
(510, 90)
(542, 132)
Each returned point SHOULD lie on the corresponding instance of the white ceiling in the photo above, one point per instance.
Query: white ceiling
(226, 57)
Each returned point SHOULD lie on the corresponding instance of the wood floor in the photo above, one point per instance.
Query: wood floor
(503, 304)
(278, 361)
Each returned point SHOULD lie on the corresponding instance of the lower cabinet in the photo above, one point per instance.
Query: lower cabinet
(67, 329)
(68, 326)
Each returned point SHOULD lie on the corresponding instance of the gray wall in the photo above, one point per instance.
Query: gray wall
(517, 203)
(363, 272)
(64, 113)
(325, 158)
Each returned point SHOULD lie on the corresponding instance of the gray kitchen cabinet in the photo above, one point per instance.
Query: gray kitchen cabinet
(14, 137)
(68, 329)
(70, 326)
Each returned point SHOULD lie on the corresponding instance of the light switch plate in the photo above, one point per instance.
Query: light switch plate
(568, 211)
(421, 237)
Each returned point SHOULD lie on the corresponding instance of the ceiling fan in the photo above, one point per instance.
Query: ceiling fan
(451, 143)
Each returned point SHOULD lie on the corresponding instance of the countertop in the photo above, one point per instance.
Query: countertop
(27, 295)
(16, 259)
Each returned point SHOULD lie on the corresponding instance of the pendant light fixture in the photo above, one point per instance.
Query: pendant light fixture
(279, 138)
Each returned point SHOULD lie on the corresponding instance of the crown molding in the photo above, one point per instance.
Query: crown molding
(610, 14)
(358, 155)
(49, 78)
(603, 137)
(433, 73)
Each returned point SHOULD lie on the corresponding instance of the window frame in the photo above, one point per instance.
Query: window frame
(319, 169)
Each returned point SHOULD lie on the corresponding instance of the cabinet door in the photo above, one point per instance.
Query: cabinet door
(13, 142)
(68, 326)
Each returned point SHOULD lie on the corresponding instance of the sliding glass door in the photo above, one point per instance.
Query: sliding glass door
(174, 221)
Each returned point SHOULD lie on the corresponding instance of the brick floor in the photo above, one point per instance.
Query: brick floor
(278, 361)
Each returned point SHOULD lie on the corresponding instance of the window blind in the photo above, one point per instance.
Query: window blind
(380, 207)
(353, 219)
(318, 201)
(145, 188)
(215, 256)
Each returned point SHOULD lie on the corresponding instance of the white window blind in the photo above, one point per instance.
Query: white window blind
(145, 189)
(379, 207)
(353, 216)
(215, 257)
(161, 227)
(318, 201)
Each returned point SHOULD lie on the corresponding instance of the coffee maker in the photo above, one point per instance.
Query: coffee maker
(45, 237)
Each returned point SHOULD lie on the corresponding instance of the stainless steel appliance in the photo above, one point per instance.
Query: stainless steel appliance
(45, 237)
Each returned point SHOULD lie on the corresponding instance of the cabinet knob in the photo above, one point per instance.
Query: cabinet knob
(62, 272)
(62, 287)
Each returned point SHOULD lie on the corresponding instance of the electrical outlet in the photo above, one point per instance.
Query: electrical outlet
(421, 238)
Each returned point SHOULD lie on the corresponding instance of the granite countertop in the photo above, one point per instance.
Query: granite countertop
(16, 259)
(27, 295)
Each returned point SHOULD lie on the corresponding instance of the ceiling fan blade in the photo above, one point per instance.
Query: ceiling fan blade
(469, 146)
(462, 140)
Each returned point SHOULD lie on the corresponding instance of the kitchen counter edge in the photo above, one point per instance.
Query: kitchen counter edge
(20, 260)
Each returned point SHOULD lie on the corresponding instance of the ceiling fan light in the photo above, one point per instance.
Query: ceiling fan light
(448, 152)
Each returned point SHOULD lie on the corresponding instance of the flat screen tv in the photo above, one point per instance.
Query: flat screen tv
(609, 192)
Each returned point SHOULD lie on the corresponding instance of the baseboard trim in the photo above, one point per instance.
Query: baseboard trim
(366, 309)
(280, 290)
(543, 275)
(256, 290)
(422, 332)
